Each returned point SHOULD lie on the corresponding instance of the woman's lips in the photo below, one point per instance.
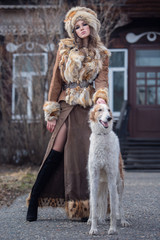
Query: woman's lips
(83, 32)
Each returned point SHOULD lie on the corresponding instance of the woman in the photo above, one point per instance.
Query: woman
(82, 61)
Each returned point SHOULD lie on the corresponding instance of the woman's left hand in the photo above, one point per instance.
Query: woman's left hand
(51, 125)
(101, 101)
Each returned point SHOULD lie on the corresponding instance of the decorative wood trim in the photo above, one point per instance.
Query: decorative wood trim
(25, 6)
(49, 47)
(133, 38)
(24, 29)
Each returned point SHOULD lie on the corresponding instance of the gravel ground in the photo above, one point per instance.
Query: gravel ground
(142, 210)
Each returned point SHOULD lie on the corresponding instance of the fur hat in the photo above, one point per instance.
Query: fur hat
(81, 13)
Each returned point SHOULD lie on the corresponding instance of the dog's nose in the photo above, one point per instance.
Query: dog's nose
(109, 119)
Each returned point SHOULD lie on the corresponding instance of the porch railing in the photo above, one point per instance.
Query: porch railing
(122, 124)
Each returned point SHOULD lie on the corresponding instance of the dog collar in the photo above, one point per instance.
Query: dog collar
(101, 133)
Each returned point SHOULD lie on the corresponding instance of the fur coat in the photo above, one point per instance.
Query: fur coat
(80, 76)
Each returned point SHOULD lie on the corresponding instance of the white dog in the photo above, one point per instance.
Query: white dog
(103, 170)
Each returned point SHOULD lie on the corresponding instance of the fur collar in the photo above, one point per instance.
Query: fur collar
(77, 65)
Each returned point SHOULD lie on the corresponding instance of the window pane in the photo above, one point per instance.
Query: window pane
(158, 82)
(151, 95)
(27, 63)
(37, 95)
(21, 101)
(118, 83)
(21, 81)
(140, 82)
(140, 74)
(141, 95)
(151, 82)
(148, 58)
(158, 95)
(158, 74)
(117, 59)
(151, 74)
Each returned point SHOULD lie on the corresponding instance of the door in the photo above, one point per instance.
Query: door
(144, 93)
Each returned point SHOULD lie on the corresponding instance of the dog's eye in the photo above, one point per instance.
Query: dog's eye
(100, 109)
(109, 110)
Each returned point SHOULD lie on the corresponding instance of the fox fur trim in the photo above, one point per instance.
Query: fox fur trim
(51, 202)
(47, 201)
(101, 93)
(74, 209)
(81, 13)
(77, 65)
(51, 110)
(81, 96)
(77, 209)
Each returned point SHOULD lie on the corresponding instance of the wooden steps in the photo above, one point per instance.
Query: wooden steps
(142, 154)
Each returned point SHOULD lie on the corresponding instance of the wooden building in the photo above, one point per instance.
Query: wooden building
(135, 77)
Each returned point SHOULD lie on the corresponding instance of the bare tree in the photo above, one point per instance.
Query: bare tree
(110, 15)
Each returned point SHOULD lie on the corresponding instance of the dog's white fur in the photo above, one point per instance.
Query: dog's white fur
(103, 170)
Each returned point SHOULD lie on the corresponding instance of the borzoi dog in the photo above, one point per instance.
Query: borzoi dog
(103, 170)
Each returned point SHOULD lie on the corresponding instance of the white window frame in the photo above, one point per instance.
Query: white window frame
(110, 77)
(29, 76)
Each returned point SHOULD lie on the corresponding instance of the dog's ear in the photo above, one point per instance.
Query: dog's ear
(92, 115)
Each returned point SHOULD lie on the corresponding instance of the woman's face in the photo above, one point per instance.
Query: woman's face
(82, 29)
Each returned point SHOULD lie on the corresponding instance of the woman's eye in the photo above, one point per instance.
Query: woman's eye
(77, 27)
(85, 24)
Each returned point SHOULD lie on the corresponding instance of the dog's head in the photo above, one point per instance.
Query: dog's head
(100, 118)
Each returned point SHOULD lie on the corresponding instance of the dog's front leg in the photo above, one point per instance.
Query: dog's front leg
(124, 223)
(112, 193)
(102, 202)
(94, 182)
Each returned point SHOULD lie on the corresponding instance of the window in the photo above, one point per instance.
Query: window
(147, 64)
(29, 71)
(117, 79)
(147, 58)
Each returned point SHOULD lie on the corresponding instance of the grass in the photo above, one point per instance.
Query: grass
(15, 181)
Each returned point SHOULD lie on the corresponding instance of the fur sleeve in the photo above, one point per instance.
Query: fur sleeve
(51, 110)
(52, 107)
(101, 82)
(56, 81)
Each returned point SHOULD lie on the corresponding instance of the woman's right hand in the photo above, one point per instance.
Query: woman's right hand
(51, 125)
